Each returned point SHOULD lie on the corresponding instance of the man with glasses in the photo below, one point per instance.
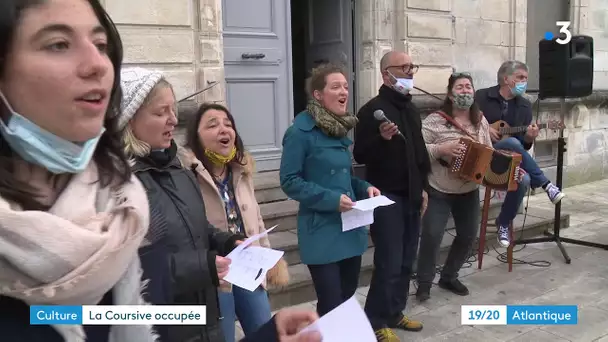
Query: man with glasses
(505, 101)
(397, 163)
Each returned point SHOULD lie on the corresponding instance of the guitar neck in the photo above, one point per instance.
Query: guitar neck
(518, 129)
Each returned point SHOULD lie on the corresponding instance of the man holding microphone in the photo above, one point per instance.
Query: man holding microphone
(388, 140)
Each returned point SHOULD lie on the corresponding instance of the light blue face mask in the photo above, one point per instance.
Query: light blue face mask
(519, 89)
(38, 146)
(403, 85)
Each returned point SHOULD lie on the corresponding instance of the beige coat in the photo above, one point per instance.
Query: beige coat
(244, 192)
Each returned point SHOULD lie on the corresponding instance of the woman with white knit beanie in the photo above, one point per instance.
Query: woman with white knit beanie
(185, 258)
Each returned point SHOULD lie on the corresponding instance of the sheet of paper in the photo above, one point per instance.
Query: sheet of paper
(249, 266)
(373, 203)
(252, 239)
(362, 213)
(356, 218)
(347, 322)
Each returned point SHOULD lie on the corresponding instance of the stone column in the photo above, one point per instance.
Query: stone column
(374, 21)
(210, 61)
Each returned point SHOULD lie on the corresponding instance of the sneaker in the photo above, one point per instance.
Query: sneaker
(424, 292)
(454, 286)
(554, 193)
(503, 236)
(407, 324)
(386, 335)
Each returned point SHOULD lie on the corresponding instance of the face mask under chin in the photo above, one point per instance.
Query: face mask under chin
(38, 146)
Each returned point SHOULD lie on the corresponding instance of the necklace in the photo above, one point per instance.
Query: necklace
(220, 176)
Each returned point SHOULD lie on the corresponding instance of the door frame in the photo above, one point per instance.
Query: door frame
(351, 69)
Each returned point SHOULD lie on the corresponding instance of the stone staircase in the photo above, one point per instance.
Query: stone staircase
(277, 209)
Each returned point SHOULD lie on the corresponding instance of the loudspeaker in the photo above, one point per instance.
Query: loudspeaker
(565, 70)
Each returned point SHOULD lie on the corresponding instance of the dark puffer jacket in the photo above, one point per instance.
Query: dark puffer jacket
(180, 261)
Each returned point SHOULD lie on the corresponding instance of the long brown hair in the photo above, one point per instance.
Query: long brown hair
(194, 142)
(448, 106)
(109, 156)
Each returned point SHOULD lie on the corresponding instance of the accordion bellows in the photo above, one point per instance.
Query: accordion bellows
(486, 166)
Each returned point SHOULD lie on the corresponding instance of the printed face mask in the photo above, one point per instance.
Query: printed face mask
(403, 85)
(463, 101)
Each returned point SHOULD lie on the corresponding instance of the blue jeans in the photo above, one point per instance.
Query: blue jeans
(534, 178)
(251, 308)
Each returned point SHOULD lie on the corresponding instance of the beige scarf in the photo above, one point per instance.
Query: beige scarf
(73, 254)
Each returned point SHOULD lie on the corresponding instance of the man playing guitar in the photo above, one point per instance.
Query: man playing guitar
(505, 102)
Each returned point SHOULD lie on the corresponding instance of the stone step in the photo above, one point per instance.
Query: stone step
(268, 187)
(287, 240)
(282, 213)
(300, 288)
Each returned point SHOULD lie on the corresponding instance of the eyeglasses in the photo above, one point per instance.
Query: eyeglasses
(406, 68)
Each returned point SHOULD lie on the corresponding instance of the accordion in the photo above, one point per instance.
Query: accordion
(473, 163)
(503, 171)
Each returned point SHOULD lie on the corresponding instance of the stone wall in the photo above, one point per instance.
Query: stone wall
(181, 38)
(476, 36)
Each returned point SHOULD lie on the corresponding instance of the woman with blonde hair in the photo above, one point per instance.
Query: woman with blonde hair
(72, 216)
(185, 259)
(224, 172)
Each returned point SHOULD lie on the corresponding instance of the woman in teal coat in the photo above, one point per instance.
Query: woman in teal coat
(316, 171)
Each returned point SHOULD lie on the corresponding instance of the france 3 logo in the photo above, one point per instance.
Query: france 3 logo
(564, 29)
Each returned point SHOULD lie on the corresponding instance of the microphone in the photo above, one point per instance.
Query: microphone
(379, 115)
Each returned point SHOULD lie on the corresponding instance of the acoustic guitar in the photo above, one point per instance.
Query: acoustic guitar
(506, 131)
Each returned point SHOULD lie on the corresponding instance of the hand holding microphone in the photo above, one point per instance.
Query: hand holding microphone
(387, 128)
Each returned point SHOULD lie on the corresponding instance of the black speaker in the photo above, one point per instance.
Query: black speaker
(565, 70)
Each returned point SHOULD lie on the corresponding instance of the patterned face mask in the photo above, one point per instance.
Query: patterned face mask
(463, 101)
(219, 159)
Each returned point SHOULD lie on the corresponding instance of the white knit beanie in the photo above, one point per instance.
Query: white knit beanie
(136, 83)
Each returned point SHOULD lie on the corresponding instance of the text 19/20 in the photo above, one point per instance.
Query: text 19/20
(483, 314)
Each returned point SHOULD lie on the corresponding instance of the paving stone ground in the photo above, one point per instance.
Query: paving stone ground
(584, 282)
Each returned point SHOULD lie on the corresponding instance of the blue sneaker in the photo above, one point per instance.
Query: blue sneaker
(503, 236)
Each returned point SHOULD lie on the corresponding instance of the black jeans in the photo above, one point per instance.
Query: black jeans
(465, 211)
(395, 234)
(335, 283)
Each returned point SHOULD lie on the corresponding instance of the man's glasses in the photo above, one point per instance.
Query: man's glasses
(406, 68)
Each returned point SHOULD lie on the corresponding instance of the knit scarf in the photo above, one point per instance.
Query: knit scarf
(78, 250)
(329, 123)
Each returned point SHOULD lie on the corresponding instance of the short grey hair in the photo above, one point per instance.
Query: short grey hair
(508, 68)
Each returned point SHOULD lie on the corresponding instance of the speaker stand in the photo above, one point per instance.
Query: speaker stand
(555, 236)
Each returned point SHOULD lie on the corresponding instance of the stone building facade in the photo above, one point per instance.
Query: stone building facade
(185, 39)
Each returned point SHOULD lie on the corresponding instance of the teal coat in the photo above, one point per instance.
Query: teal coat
(316, 171)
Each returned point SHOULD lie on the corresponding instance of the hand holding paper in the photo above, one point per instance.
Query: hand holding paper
(362, 213)
(251, 263)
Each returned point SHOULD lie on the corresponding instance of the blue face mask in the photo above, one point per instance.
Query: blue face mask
(38, 146)
(519, 89)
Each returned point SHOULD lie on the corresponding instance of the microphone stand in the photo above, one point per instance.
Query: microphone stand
(555, 236)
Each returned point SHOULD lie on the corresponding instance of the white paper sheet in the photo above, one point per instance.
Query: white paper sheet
(362, 213)
(251, 263)
(347, 322)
